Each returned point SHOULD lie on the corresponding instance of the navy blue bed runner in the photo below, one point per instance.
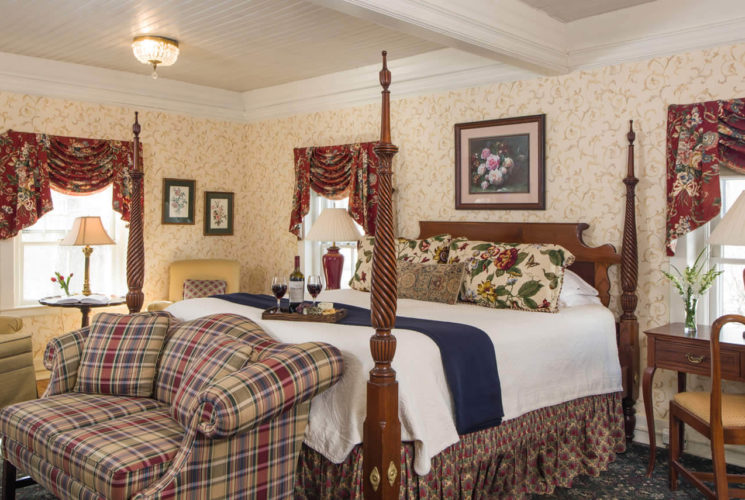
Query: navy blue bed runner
(467, 354)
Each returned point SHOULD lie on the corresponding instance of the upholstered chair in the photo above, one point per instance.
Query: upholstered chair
(719, 417)
(16, 363)
(188, 272)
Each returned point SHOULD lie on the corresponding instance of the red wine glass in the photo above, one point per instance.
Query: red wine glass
(279, 289)
(314, 286)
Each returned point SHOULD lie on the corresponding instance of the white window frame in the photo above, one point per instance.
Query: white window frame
(12, 265)
(687, 250)
(311, 251)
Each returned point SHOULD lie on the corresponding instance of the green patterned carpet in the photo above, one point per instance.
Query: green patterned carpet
(625, 479)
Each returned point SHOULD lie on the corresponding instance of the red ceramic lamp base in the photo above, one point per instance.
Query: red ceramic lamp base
(333, 263)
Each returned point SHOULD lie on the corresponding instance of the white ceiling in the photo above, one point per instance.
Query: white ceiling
(255, 59)
(572, 10)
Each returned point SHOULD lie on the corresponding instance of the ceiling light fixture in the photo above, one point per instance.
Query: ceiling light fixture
(155, 50)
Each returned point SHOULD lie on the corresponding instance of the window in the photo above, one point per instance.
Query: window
(312, 251)
(33, 256)
(728, 292)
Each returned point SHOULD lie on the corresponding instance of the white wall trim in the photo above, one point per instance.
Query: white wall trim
(35, 76)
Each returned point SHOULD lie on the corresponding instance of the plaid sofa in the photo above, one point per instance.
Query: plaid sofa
(242, 441)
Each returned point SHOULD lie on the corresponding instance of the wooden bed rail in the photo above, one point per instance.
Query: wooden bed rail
(136, 245)
(382, 429)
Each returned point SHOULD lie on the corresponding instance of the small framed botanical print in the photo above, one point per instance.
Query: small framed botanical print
(178, 201)
(218, 213)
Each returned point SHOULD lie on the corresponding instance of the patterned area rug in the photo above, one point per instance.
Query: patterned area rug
(625, 478)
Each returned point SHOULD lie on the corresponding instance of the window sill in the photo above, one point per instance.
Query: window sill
(25, 311)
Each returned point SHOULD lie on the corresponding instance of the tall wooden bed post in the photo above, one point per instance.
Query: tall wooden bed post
(136, 245)
(382, 429)
(629, 326)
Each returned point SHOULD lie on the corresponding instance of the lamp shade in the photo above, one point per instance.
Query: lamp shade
(87, 231)
(334, 224)
(731, 229)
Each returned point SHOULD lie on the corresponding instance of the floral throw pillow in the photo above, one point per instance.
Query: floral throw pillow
(430, 250)
(431, 283)
(363, 269)
(526, 276)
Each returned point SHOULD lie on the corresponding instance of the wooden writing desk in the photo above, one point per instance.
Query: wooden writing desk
(669, 348)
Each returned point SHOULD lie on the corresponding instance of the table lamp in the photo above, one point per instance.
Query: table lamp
(333, 225)
(87, 231)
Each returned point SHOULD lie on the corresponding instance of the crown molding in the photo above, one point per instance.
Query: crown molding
(436, 71)
(511, 32)
(35, 76)
(660, 28)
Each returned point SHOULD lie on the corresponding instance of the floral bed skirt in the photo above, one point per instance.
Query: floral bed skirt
(533, 453)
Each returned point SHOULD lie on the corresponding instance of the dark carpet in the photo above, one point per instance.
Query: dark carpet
(625, 478)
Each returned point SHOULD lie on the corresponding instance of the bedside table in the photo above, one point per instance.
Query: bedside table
(669, 348)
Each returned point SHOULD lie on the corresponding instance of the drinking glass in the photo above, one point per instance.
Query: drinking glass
(314, 286)
(279, 289)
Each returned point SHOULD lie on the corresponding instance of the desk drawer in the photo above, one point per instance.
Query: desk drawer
(691, 358)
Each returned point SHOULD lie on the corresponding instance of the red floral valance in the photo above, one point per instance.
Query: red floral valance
(31, 163)
(336, 172)
(700, 138)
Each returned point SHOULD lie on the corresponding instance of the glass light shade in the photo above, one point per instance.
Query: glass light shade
(87, 231)
(155, 50)
(334, 224)
(731, 229)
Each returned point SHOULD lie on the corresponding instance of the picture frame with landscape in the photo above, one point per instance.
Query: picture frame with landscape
(178, 201)
(500, 164)
(218, 213)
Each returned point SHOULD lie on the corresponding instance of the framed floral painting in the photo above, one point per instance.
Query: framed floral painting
(218, 213)
(499, 164)
(178, 201)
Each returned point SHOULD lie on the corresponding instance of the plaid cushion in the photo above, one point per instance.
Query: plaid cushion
(283, 376)
(34, 423)
(194, 289)
(62, 359)
(221, 356)
(188, 337)
(120, 457)
(120, 354)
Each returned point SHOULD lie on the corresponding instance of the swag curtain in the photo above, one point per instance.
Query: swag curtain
(700, 138)
(336, 172)
(30, 163)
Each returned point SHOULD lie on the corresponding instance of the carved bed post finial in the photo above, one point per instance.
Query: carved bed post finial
(382, 429)
(629, 326)
(136, 245)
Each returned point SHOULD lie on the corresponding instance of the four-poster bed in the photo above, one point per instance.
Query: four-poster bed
(387, 461)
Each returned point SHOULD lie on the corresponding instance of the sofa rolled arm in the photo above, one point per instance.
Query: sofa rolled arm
(62, 358)
(264, 389)
(158, 305)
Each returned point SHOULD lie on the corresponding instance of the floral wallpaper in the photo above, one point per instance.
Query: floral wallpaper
(587, 118)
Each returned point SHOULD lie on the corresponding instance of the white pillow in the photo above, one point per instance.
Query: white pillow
(574, 285)
(576, 292)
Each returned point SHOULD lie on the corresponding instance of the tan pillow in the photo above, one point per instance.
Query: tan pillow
(526, 276)
(429, 282)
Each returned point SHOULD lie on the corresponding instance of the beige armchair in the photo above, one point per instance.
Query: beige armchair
(198, 269)
(16, 363)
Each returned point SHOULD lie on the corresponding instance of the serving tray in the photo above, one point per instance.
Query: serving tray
(272, 313)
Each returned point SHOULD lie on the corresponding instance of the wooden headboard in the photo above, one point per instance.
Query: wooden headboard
(591, 263)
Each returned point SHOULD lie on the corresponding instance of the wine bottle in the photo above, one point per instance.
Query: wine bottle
(297, 286)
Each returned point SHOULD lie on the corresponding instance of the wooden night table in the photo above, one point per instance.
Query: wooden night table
(669, 348)
(85, 308)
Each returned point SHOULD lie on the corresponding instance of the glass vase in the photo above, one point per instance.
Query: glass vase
(690, 321)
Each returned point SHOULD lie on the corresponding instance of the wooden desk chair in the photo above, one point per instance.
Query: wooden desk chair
(719, 417)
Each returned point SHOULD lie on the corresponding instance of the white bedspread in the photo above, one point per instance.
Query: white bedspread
(543, 359)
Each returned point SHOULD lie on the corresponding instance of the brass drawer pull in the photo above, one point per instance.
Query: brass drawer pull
(692, 358)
